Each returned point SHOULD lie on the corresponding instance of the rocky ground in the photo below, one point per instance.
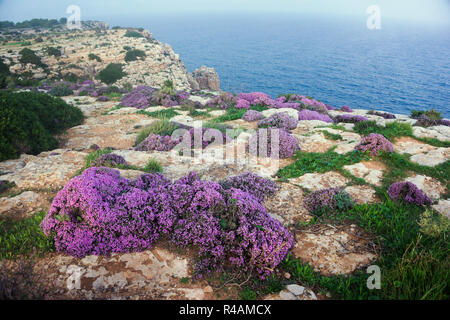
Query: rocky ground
(164, 272)
(109, 46)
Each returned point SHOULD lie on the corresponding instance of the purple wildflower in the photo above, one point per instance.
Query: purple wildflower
(375, 144)
(252, 115)
(408, 192)
(261, 144)
(313, 115)
(280, 120)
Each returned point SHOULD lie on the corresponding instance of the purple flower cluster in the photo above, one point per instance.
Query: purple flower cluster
(157, 142)
(350, 118)
(261, 144)
(85, 88)
(224, 101)
(425, 121)
(375, 144)
(249, 182)
(280, 120)
(328, 201)
(382, 114)
(139, 98)
(252, 115)
(103, 99)
(143, 97)
(346, 109)
(408, 192)
(109, 160)
(100, 213)
(257, 98)
(242, 104)
(313, 115)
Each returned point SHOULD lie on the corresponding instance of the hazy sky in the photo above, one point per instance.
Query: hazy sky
(433, 11)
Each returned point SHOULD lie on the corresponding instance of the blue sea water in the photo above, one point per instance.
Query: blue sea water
(399, 68)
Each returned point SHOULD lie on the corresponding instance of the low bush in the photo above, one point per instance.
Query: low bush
(279, 120)
(29, 56)
(93, 56)
(29, 119)
(231, 228)
(61, 91)
(133, 34)
(409, 192)
(133, 55)
(328, 202)
(252, 115)
(374, 144)
(111, 73)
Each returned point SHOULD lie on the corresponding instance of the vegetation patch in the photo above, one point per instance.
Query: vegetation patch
(28, 121)
(111, 73)
(309, 162)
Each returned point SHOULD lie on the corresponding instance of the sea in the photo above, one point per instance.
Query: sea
(402, 66)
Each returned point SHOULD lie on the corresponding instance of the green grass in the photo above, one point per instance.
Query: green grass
(391, 131)
(309, 162)
(230, 115)
(23, 237)
(413, 265)
(153, 166)
(162, 128)
(332, 136)
(399, 166)
(161, 114)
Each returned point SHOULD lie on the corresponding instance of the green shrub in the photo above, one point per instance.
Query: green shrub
(390, 132)
(162, 128)
(153, 166)
(111, 73)
(51, 51)
(432, 114)
(94, 57)
(29, 56)
(29, 119)
(133, 34)
(23, 237)
(61, 91)
(132, 55)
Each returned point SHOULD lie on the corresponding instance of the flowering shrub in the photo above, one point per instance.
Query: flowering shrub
(261, 143)
(328, 201)
(249, 182)
(100, 212)
(109, 160)
(157, 142)
(103, 99)
(375, 143)
(252, 115)
(408, 192)
(257, 98)
(425, 121)
(350, 118)
(346, 109)
(224, 101)
(280, 120)
(382, 114)
(313, 115)
(139, 98)
(242, 104)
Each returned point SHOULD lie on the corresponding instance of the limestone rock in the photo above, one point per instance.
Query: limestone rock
(432, 187)
(371, 171)
(207, 78)
(47, 172)
(319, 181)
(26, 203)
(443, 207)
(287, 204)
(333, 251)
(362, 194)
